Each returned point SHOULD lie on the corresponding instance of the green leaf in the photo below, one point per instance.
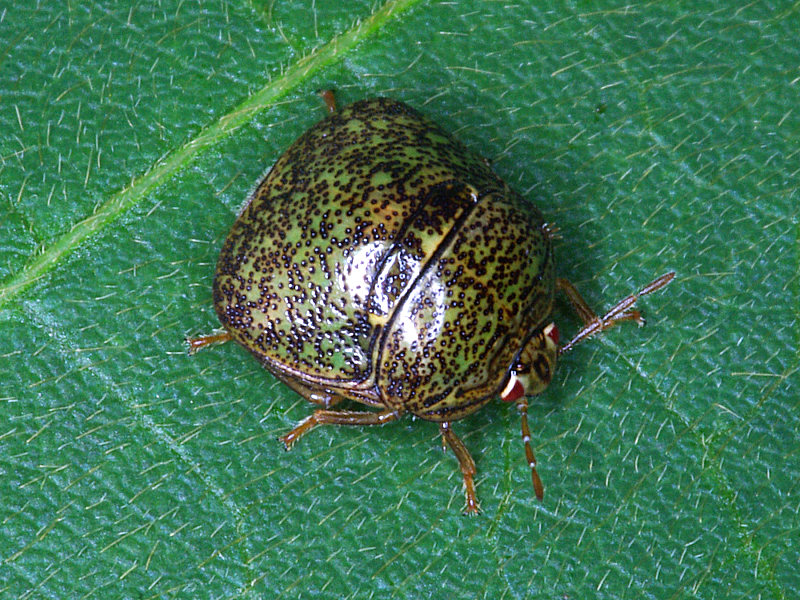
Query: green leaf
(656, 136)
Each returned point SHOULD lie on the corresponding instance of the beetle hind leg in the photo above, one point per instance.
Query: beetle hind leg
(467, 465)
(336, 417)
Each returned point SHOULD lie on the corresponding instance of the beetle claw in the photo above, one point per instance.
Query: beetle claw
(302, 427)
(472, 508)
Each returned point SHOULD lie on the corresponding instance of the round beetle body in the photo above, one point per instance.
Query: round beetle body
(383, 262)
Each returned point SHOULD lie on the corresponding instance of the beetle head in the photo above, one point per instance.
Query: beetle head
(534, 368)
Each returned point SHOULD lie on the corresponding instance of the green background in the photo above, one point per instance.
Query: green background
(656, 136)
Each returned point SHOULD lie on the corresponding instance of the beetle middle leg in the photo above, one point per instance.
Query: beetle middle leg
(336, 417)
(201, 341)
(467, 465)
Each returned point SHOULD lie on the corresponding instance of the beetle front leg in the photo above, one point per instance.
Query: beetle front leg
(622, 311)
(467, 465)
(336, 417)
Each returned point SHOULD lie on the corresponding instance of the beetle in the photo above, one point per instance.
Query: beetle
(381, 261)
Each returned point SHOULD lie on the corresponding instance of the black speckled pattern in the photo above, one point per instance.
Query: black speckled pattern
(383, 261)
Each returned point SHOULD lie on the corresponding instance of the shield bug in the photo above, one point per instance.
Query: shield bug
(380, 261)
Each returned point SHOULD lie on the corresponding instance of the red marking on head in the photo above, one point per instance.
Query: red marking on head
(551, 331)
(514, 390)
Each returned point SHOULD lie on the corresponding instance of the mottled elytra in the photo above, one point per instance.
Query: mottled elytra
(380, 261)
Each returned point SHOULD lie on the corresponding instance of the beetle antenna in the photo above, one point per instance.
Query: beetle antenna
(592, 324)
(538, 488)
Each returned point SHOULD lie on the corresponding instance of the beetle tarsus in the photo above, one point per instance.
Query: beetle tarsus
(551, 231)
(201, 341)
(301, 428)
(329, 97)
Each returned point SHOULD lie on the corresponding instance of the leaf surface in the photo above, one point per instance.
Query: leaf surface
(657, 138)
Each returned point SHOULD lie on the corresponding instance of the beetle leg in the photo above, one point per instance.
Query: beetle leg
(592, 324)
(585, 312)
(522, 407)
(329, 97)
(336, 417)
(201, 341)
(467, 466)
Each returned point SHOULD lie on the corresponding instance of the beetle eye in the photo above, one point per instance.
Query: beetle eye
(542, 368)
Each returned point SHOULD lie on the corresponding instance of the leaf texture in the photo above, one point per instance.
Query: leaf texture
(656, 136)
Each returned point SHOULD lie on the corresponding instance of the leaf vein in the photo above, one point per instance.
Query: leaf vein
(47, 257)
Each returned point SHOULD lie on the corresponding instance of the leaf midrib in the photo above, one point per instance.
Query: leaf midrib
(48, 257)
